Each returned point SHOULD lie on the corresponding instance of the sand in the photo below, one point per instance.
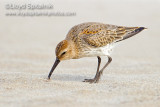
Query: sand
(27, 47)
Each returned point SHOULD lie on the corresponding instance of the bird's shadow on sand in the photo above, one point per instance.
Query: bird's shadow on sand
(68, 77)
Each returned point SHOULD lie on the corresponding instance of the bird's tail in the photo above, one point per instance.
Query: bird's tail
(132, 31)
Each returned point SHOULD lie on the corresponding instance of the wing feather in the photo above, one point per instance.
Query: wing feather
(99, 35)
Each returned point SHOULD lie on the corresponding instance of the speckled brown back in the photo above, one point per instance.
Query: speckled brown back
(99, 34)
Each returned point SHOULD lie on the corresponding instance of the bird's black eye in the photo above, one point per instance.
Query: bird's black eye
(63, 53)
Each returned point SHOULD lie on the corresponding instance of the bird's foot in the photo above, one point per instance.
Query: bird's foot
(95, 79)
(91, 80)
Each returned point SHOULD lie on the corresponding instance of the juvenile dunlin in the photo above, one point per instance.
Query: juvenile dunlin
(92, 39)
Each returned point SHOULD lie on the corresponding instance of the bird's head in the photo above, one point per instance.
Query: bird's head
(65, 50)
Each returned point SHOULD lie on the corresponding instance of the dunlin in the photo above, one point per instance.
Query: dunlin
(92, 39)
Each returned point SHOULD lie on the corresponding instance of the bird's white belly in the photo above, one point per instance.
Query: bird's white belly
(100, 51)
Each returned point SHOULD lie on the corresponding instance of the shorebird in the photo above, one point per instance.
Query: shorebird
(92, 39)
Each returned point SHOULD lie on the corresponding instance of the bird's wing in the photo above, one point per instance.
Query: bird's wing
(99, 35)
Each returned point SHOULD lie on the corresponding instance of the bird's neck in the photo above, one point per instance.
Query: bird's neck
(73, 50)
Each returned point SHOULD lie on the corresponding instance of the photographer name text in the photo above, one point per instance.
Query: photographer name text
(29, 6)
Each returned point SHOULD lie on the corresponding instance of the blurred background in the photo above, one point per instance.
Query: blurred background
(27, 45)
(27, 36)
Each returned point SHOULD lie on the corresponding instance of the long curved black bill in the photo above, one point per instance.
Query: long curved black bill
(53, 67)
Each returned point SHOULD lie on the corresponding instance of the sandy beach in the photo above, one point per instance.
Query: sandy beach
(27, 53)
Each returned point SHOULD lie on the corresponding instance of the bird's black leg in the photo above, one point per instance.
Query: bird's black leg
(92, 80)
(99, 73)
(98, 76)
